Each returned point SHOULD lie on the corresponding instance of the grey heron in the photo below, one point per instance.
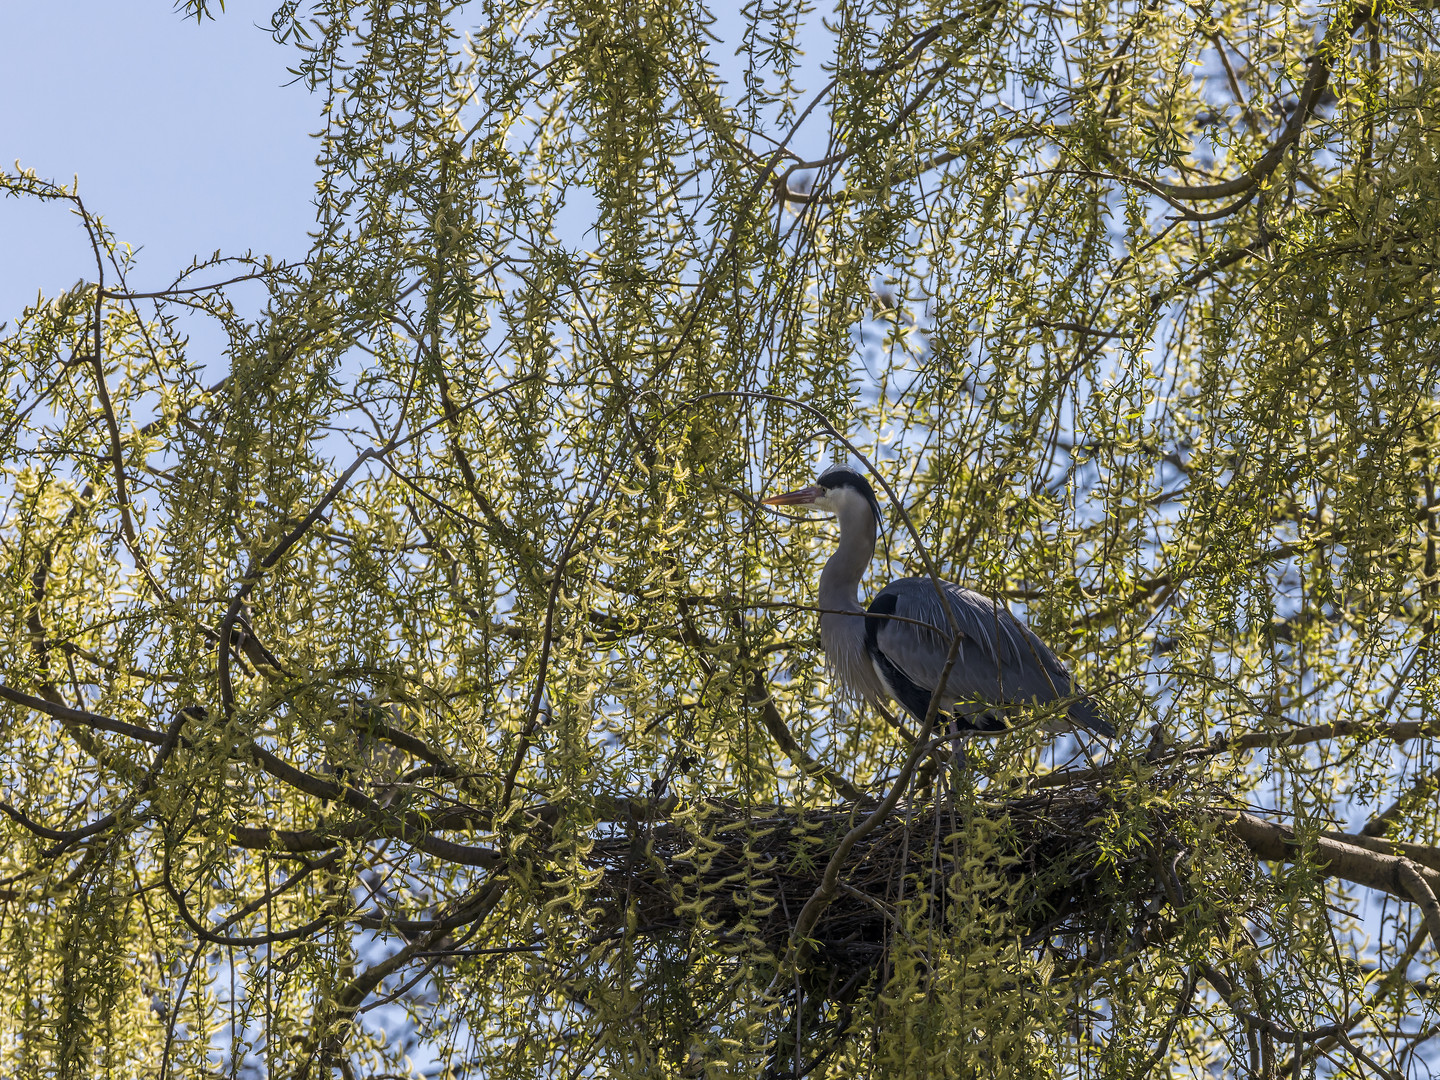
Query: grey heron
(898, 647)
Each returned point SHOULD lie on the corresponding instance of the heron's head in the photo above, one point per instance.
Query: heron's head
(838, 489)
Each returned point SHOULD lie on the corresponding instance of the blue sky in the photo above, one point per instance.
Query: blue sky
(184, 137)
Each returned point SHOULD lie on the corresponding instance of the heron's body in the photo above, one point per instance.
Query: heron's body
(899, 646)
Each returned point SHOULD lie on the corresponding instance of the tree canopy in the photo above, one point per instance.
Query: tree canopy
(416, 687)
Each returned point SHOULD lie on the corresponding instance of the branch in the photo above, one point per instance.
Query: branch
(1424, 788)
(1316, 78)
(329, 1027)
(1400, 732)
(757, 693)
(830, 882)
(258, 568)
(1413, 878)
(1417, 853)
(1393, 874)
(413, 828)
(1227, 991)
(80, 716)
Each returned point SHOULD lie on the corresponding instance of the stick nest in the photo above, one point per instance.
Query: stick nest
(1074, 870)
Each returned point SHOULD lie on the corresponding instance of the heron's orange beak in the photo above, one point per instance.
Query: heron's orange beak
(797, 497)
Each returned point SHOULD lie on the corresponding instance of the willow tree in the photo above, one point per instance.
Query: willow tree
(417, 687)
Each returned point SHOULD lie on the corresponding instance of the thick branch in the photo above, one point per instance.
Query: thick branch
(1391, 874)
(1421, 891)
(413, 828)
(80, 716)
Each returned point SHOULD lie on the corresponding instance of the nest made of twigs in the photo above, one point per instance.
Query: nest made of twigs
(749, 872)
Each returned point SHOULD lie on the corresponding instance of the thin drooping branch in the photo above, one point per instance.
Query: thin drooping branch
(1317, 77)
(1400, 732)
(260, 566)
(1422, 789)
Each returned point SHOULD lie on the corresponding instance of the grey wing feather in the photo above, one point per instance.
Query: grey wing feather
(999, 659)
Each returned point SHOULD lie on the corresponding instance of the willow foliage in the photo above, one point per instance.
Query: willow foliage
(417, 688)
